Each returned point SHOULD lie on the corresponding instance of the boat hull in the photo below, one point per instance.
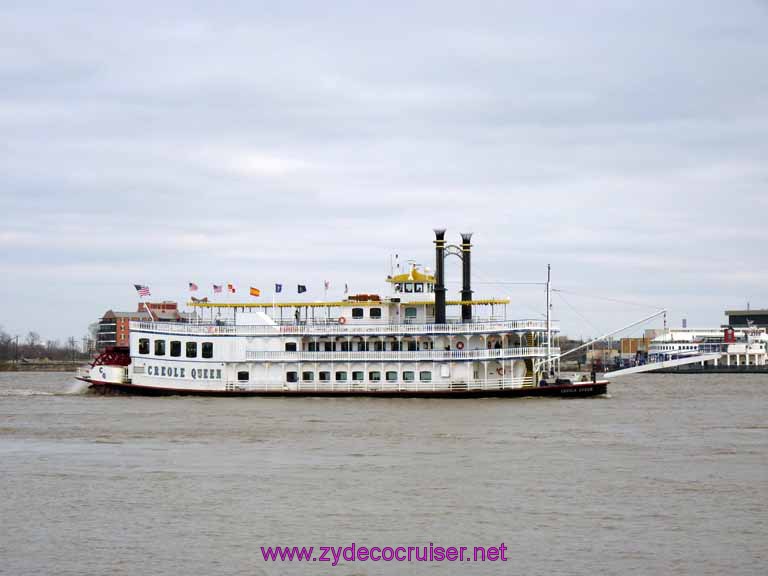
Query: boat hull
(576, 390)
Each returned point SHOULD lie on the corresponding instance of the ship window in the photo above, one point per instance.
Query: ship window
(378, 346)
(410, 313)
(425, 376)
(341, 376)
(362, 346)
(345, 346)
(374, 376)
(395, 346)
(292, 376)
(418, 287)
(207, 350)
(357, 312)
(398, 287)
(358, 376)
(307, 376)
(409, 376)
(412, 346)
(242, 376)
(375, 313)
(329, 347)
(312, 347)
(408, 287)
(391, 376)
(290, 346)
(175, 348)
(324, 376)
(191, 349)
(143, 345)
(159, 347)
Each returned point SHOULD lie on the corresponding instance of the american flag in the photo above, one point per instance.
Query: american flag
(142, 290)
(192, 287)
(216, 289)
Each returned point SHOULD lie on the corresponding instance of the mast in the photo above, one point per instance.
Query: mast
(549, 320)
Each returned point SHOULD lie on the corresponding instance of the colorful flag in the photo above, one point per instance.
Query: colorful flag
(327, 284)
(302, 288)
(346, 287)
(142, 290)
(278, 288)
(231, 288)
(255, 291)
(199, 299)
(192, 287)
(217, 289)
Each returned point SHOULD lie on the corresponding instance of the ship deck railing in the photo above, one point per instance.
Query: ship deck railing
(349, 329)
(402, 356)
(381, 386)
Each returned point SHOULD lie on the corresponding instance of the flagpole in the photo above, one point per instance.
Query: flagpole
(141, 298)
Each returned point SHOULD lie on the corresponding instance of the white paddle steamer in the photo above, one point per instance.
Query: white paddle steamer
(404, 344)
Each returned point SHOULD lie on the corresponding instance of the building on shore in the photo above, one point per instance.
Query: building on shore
(745, 318)
(114, 327)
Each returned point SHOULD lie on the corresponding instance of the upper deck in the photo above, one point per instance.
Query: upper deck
(335, 329)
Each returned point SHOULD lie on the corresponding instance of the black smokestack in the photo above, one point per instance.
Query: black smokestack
(440, 276)
(466, 275)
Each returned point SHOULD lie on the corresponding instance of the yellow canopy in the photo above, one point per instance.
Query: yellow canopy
(485, 302)
(415, 275)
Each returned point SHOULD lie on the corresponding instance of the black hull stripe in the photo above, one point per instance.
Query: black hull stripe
(580, 390)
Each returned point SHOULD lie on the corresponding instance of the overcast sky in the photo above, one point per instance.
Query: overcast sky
(623, 142)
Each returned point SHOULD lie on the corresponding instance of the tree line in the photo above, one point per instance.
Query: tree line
(32, 346)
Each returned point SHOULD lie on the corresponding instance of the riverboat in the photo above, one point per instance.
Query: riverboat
(412, 342)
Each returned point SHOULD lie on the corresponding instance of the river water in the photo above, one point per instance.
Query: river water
(667, 475)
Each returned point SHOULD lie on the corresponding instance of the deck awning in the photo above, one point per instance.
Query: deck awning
(340, 304)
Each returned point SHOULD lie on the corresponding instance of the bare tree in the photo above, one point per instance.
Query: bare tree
(71, 344)
(33, 339)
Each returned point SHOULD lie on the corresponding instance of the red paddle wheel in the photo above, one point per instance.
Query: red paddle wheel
(113, 356)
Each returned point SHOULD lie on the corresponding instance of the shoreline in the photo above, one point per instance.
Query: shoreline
(42, 366)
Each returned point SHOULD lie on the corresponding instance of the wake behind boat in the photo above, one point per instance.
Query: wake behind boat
(401, 345)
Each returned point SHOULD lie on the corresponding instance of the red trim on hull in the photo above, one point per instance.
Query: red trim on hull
(578, 390)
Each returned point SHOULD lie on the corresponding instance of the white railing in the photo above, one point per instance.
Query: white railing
(350, 329)
(404, 356)
(381, 386)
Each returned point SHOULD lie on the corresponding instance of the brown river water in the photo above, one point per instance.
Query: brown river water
(666, 475)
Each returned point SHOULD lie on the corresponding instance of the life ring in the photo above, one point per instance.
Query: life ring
(459, 345)
(342, 320)
(500, 371)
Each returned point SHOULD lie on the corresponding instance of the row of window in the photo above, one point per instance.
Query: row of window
(677, 347)
(358, 376)
(409, 287)
(375, 313)
(206, 348)
(377, 346)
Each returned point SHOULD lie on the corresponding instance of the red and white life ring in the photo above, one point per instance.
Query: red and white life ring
(342, 320)
(459, 345)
